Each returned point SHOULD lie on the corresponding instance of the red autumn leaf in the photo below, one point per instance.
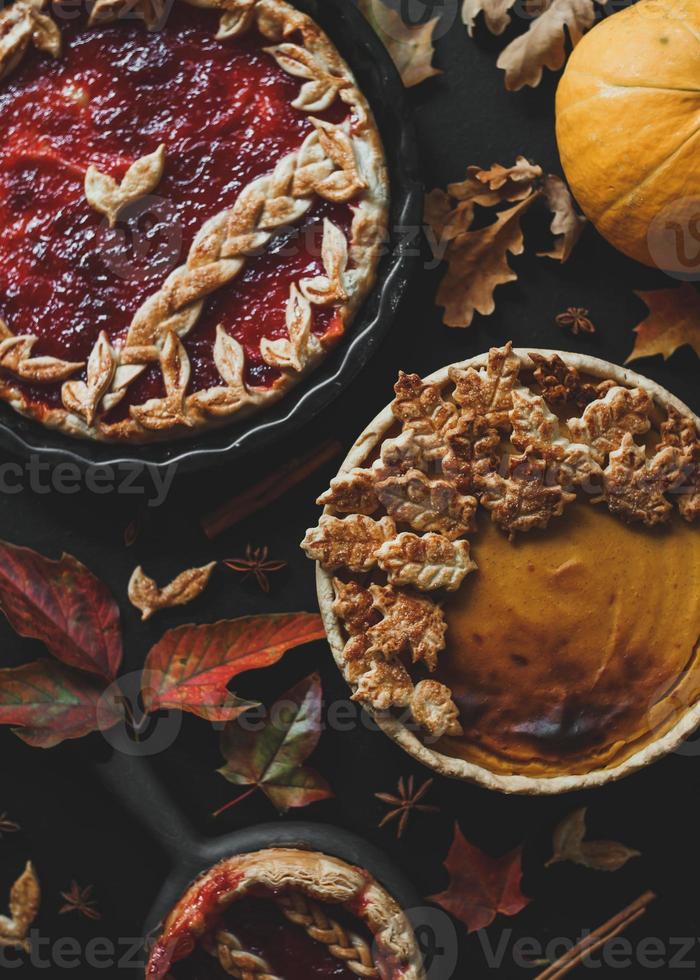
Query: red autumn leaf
(272, 759)
(64, 605)
(51, 703)
(190, 666)
(480, 886)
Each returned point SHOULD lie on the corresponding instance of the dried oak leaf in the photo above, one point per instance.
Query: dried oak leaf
(351, 542)
(568, 844)
(674, 320)
(385, 685)
(635, 485)
(567, 224)
(607, 420)
(561, 383)
(148, 598)
(427, 505)
(409, 623)
(271, 759)
(477, 262)
(680, 432)
(410, 46)
(481, 887)
(51, 703)
(190, 666)
(487, 393)
(62, 604)
(543, 45)
(496, 16)
(434, 710)
(524, 500)
(25, 899)
(352, 493)
(428, 562)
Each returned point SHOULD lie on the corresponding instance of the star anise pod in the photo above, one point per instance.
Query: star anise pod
(8, 826)
(80, 900)
(256, 563)
(576, 318)
(408, 799)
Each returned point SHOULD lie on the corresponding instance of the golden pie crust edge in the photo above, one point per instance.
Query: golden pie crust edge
(320, 877)
(276, 20)
(455, 768)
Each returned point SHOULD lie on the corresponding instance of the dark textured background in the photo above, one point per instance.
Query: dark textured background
(71, 828)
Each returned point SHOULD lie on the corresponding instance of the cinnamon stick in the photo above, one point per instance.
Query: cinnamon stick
(598, 938)
(269, 489)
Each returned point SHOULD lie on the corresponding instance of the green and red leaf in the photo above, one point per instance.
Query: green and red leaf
(271, 759)
(64, 605)
(190, 666)
(50, 703)
(480, 886)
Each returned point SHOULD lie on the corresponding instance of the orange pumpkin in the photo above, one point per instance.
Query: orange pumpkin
(628, 128)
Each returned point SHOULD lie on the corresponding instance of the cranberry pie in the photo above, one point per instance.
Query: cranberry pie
(192, 206)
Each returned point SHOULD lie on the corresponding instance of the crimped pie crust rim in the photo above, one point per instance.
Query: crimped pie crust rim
(325, 879)
(455, 768)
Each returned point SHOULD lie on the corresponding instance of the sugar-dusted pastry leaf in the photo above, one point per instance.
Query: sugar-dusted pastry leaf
(429, 562)
(568, 844)
(434, 710)
(607, 420)
(350, 542)
(409, 623)
(190, 667)
(352, 493)
(481, 887)
(354, 605)
(25, 899)
(420, 405)
(524, 499)
(673, 321)
(543, 45)
(561, 383)
(635, 485)
(410, 46)
(108, 196)
(49, 703)
(64, 605)
(427, 504)
(385, 685)
(149, 598)
(487, 393)
(680, 432)
(472, 451)
(412, 449)
(271, 759)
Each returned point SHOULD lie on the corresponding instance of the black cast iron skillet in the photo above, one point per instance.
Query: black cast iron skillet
(382, 86)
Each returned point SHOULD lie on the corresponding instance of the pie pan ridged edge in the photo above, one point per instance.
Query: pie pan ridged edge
(396, 729)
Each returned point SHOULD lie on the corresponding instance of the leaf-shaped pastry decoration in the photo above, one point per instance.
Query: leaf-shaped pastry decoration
(25, 899)
(635, 485)
(410, 46)
(84, 397)
(605, 421)
(409, 623)
(293, 353)
(568, 844)
(146, 596)
(427, 504)
(488, 392)
(229, 358)
(523, 500)
(322, 87)
(16, 356)
(22, 24)
(190, 666)
(334, 253)
(345, 181)
(236, 19)
(164, 413)
(351, 542)
(428, 562)
(109, 196)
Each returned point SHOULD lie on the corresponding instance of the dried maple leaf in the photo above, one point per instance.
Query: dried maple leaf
(567, 224)
(25, 899)
(271, 759)
(148, 598)
(487, 393)
(680, 432)
(410, 46)
(351, 542)
(543, 44)
(80, 900)
(190, 666)
(409, 623)
(409, 800)
(62, 604)
(674, 320)
(568, 844)
(605, 421)
(50, 703)
(427, 505)
(478, 262)
(351, 493)
(256, 563)
(635, 485)
(523, 500)
(428, 562)
(481, 887)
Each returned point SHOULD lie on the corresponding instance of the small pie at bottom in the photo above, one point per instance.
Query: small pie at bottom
(286, 914)
(508, 568)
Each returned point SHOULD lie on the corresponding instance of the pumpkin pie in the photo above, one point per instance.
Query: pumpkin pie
(286, 914)
(192, 204)
(508, 568)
